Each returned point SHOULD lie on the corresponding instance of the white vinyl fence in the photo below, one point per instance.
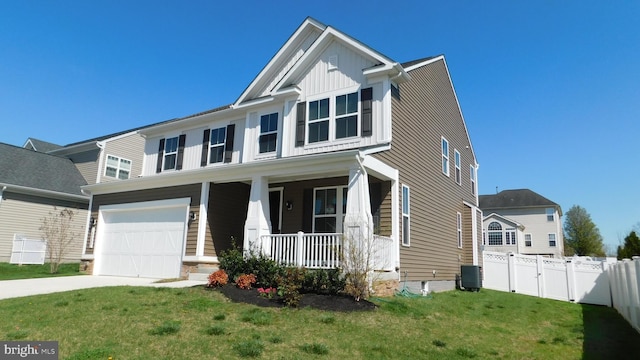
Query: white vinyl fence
(28, 251)
(625, 285)
(573, 279)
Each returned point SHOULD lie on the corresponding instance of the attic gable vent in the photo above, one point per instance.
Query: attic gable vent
(333, 62)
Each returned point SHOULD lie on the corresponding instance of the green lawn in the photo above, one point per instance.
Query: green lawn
(193, 323)
(13, 271)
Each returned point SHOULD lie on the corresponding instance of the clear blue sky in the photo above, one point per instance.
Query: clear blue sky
(549, 89)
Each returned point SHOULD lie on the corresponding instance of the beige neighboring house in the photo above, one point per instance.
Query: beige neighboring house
(332, 139)
(40, 176)
(523, 222)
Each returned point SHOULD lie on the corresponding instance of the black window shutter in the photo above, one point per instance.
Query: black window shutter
(181, 141)
(307, 210)
(301, 115)
(366, 96)
(228, 143)
(160, 155)
(205, 147)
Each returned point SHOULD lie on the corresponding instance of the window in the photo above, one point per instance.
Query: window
(117, 167)
(405, 216)
(457, 164)
(550, 214)
(170, 153)
(319, 120)
(459, 226)
(472, 173)
(495, 233)
(216, 145)
(445, 156)
(346, 115)
(527, 239)
(268, 133)
(510, 236)
(484, 237)
(552, 240)
(328, 215)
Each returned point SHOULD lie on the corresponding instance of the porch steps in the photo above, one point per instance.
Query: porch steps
(202, 272)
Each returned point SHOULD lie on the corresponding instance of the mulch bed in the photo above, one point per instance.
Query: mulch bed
(315, 301)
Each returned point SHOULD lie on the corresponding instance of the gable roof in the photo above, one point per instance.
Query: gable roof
(34, 170)
(519, 198)
(39, 145)
(504, 219)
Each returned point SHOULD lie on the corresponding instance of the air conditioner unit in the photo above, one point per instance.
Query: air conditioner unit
(471, 277)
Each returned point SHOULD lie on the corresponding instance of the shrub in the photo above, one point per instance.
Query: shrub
(218, 278)
(265, 270)
(232, 262)
(244, 281)
(289, 286)
(323, 281)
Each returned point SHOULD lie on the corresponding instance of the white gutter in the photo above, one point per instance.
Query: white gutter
(2, 193)
(50, 193)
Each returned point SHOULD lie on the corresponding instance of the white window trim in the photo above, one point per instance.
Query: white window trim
(530, 240)
(165, 153)
(511, 236)
(277, 132)
(555, 239)
(445, 157)
(118, 168)
(223, 145)
(339, 215)
(458, 171)
(550, 212)
(472, 177)
(490, 231)
(332, 116)
(459, 229)
(406, 215)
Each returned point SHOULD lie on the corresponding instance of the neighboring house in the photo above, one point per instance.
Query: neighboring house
(523, 222)
(331, 139)
(42, 176)
(33, 185)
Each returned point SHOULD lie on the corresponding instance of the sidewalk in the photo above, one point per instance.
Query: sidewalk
(27, 287)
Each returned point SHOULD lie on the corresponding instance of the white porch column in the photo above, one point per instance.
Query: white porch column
(258, 223)
(358, 222)
(203, 213)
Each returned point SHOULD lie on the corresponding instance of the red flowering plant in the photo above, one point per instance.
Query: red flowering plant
(218, 278)
(245, 281)
(267, 292)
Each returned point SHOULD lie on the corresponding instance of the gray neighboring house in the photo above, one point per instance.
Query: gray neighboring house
(32, 184)
(523, 222)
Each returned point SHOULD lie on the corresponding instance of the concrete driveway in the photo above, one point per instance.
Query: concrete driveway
(28, 287)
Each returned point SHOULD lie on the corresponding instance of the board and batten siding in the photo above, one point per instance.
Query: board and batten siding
(23, 214)
(425, 111)
(129, 147)
(191, 191)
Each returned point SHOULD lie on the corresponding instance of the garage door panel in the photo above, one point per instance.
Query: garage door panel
(143, 242)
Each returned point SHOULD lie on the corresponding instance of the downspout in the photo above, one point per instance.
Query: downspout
(100, 145)
(2, 193)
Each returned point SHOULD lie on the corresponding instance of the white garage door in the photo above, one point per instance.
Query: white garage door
(142, 242)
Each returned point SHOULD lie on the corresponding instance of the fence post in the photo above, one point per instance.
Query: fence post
(571, 281)
(636, 301)
(299, 249)
(512, 272)
(540, 276)
(632, 290)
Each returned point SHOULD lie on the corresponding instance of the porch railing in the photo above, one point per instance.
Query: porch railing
(323, 251)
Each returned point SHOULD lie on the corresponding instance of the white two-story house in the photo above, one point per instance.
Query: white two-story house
(332, 139)
(523, 222)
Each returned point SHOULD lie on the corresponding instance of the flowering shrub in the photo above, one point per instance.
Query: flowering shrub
(245, 281)
(218, 278)
(267, 292)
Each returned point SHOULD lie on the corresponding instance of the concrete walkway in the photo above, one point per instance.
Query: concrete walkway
(28, 287)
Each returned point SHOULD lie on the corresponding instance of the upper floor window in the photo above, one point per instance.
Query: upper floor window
(456, 157)
(170, 153)
(510, 236)
(472, 175)
(527, 239)
(117, 167)
(216, 145)
(406, 213)
(346, 115)
(494, 233)
(319, 120)
(268, 133)
(550, 214)
(330, 205)
(459, 227)
(552, 240)
(445, 156)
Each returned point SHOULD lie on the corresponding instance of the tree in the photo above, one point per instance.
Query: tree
(57, 229)
(581, 235)
(631, 247)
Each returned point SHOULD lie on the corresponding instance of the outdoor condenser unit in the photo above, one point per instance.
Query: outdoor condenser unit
(471, 277)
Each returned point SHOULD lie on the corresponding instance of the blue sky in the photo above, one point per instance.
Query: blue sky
(549, 90)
